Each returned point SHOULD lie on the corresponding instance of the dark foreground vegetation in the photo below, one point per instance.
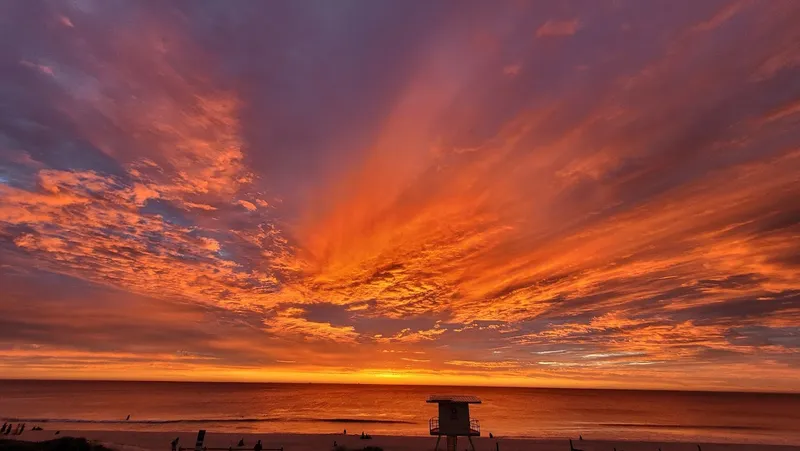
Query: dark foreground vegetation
(59, 444)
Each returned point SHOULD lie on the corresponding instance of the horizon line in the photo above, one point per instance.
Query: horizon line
(721, 391)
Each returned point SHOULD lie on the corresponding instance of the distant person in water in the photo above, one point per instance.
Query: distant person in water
(128, 417)
(258, 446)
(4, 428)
(8, 429)
(22, 429)
(345, 432)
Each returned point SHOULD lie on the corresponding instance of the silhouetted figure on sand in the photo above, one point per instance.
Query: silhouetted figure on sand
(699, 448)
(175, 444)
(241, 442)
(572, 448)
(490, 435)
(258, 446)
(334, 444)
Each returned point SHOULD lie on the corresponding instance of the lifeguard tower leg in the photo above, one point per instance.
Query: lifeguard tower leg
(470, 442)
(439, 437)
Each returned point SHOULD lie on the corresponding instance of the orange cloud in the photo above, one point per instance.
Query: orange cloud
(249, 206)
(630, 224)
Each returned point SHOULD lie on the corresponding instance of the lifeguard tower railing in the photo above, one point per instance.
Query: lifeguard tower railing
(474, 426)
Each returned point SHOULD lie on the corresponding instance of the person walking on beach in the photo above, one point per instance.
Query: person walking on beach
(258, 446)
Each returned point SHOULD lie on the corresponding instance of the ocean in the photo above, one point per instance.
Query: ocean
(766, 418)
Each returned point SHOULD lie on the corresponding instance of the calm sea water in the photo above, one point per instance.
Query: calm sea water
(401, 410)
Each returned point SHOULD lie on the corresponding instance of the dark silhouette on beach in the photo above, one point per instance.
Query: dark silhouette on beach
(572, 448)
(258, 446)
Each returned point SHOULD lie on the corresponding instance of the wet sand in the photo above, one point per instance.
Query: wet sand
(160, 441)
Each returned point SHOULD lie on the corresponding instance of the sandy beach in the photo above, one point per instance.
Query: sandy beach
(137, 441)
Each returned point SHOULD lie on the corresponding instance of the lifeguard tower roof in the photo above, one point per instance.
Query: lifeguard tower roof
(468, 399)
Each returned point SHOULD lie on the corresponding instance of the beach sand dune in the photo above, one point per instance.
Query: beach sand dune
(160, 441)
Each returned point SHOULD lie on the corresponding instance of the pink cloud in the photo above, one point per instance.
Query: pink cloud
(554, 27)
(512, 70)
(47, 70)
(66, 21)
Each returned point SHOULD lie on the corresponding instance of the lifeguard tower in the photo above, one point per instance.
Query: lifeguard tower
(453, 420)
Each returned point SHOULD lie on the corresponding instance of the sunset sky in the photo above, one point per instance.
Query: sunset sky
(562, 194)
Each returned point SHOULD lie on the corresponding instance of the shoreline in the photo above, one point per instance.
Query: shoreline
(160, 441)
